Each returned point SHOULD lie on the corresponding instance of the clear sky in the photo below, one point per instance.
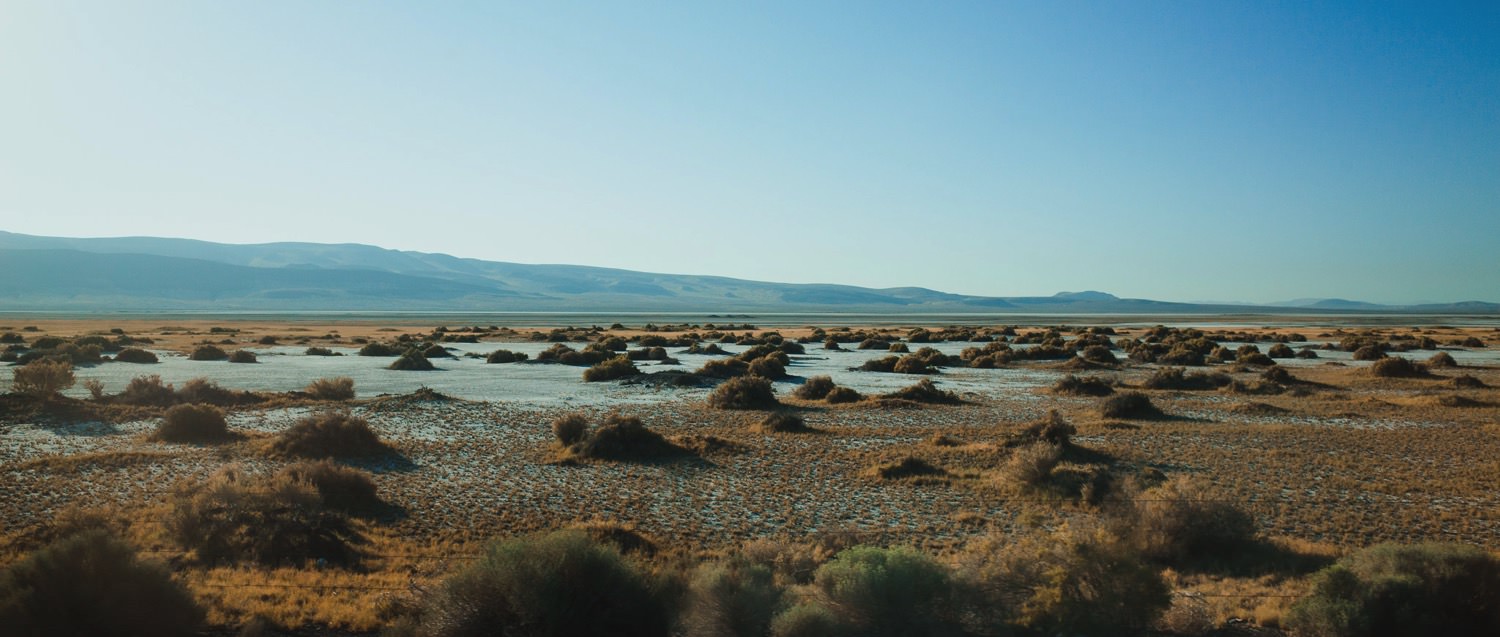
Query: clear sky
(1241, 151)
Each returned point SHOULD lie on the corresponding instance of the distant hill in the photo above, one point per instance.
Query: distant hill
(149, 273)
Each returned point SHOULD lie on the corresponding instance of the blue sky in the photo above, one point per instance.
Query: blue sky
(1257, 151)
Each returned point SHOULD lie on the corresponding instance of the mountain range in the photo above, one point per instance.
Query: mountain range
(162, 274)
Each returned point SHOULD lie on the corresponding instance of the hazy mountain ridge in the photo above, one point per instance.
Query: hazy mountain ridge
(147, 273)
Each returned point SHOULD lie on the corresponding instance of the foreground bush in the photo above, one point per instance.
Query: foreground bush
(1390, 589)
(1183, 522)
(731, 599)
(338, 388)
(235, 518)
(561, 583)
(744, 392)
(192, 423)
(876, 591)
(332, 434)
(92, 584)
(42, 378)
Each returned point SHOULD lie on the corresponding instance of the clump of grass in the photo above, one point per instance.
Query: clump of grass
(42, 378)
(1071, 385)
(342, 488)
(137, 356)
(208, 353)
(232, 517)
(331, 434)
(570, 429)
(412, 361)
(622, 437)
(1442, 359)
(338, 388)
(925, 391)
(193, 423)
(614, 368)
(814, 388)
(1032, 465)
(93, 584)
(504, 356)
(781, 422)
(1129, 405)
(1398, 367)
(744, 392)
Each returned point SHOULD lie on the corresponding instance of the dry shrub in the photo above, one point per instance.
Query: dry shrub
(842, 395)
(1398, 367)
(380, 349)
(412, 361)
(781, 422)
(342, 488)
(767, 367)
(1032, 465)
(908, 467)
(1281, 350)
(1369, 353)
(1070, 582)
(42, 378)
(1051, 429)
(1466, 381)
(622, 537)
(1180, 379)
(1129, 405)
(208, 353)
(1183, 521)
(330, 434)
(338, 388)
(202, 390)
(570, 429)
(561, 583)
(1442, 359)
(724, 368)
(243, 356)
(815, 388)
(617, 367)
(234, 518)
(147, 390)
(321, 351)
(744, 392)
(886, 364)
(93, 584)
(1098, 354)
(1071, 385)
(192, 423)
(504, 356)
(925, 391)
(623, 438)
(133, 355)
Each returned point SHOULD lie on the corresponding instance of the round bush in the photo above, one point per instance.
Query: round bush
(208, 353)
(781, 421)
(332, 434)
(1397, 367)
(1129, 405)
(243, 356)
(412, 361)
(92, 584)
(561, 583)
(617, 367)
(1392, 589)
(342, 488)
(570, 428)
(133, 355)
(744, 392)
(192, 423)
(886, 591)
(815, 388)
(842, 395)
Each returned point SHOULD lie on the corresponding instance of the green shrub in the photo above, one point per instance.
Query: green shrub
(338, 388)
(231, 517)
(815, 388)
(342, 488)
(556, 584)
(617, 367)
(570, 428)
(133, 355)
(1391, 589)
(887, 591)
(732, 600)
(1071, 385)
(93, 584)
(1129, 405)
(842, 395)
(808, 620)
(744, 392)
(243, 356)
(42, 378)
(192, 423)
(208, 353)
(330, 434)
